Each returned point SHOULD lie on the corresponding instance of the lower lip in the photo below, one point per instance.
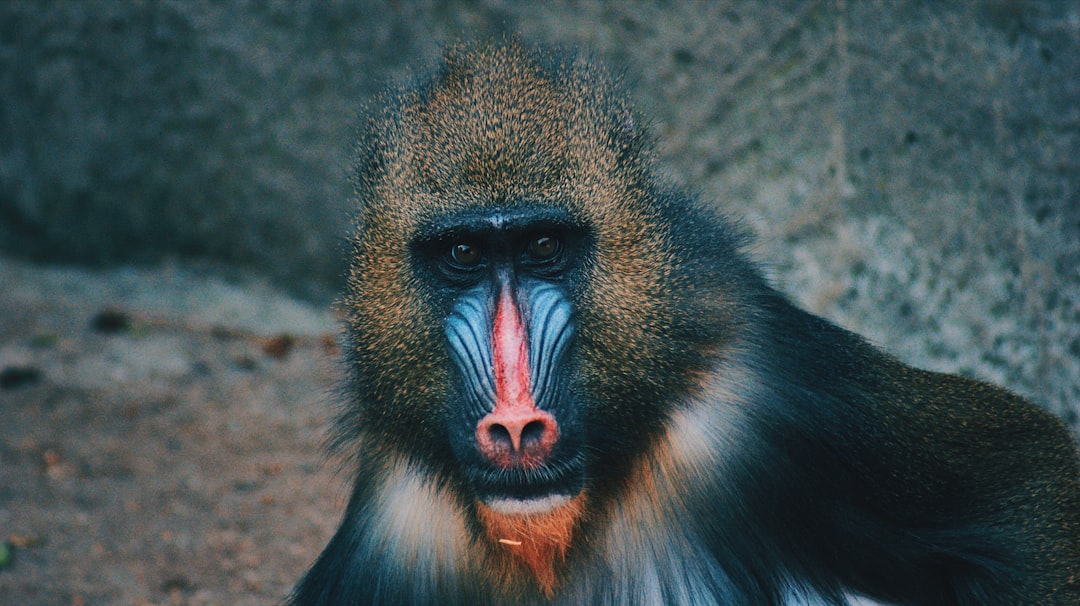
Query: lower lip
(524, 507)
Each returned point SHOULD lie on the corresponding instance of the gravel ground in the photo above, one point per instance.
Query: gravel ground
(160, 438)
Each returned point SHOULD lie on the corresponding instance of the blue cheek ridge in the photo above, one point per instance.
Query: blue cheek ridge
(468, 332)
(550, 328)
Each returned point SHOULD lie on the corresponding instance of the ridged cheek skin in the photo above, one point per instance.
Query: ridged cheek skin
(551, 328)
(468, 332)
(473, 328)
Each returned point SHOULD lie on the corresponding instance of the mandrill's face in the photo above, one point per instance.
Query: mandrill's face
(507, 277)
(515, 422)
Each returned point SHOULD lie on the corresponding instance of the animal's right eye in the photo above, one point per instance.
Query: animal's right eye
(465, 255)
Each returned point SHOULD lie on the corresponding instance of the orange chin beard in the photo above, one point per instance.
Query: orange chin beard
(537, 540)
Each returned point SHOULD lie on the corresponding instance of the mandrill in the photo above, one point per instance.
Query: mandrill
(568, 384)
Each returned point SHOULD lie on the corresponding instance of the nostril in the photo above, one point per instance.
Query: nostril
(517, 438)
(532, 434)
(500, 437)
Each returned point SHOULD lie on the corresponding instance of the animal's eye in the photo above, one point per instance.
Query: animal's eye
(465, 254)
(544, 248)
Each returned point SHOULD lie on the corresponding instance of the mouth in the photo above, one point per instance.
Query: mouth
(524, 489)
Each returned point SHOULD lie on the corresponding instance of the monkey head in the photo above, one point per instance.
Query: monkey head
(516, 291)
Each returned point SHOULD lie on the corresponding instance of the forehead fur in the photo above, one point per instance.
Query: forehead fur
(498, 124)
(493, 120)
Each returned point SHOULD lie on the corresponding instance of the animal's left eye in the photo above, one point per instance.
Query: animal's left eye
(544, 248)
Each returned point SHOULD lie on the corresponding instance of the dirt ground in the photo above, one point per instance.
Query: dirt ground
(160, 438)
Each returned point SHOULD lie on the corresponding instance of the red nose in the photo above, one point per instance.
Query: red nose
(517, 437)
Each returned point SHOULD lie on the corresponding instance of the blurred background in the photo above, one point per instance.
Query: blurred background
(173, 198)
